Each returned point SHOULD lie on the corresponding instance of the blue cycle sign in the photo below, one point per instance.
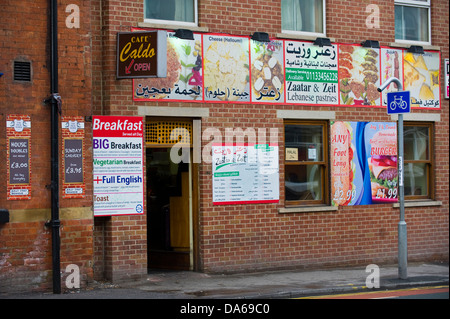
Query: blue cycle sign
(398, 102)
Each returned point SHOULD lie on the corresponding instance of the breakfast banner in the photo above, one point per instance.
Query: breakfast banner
(363, 163)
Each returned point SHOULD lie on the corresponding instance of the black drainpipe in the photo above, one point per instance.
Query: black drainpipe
(55, 103)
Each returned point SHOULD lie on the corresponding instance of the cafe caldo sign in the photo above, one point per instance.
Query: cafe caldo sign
(141, 54)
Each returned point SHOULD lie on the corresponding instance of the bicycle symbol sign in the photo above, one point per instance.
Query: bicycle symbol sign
(398, 102)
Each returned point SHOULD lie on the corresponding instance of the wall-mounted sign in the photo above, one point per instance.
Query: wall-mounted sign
(446, 86)
(141, 54)
(363, 163)
(118, 165)
(245, 173)
(73, 150)
(221, 68)
(18, 157)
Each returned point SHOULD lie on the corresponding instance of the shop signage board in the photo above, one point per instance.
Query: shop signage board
(118, 165)
(245, 173)
(73, 152)
(141, 54)
(363, 163)
(18, 157)
(222, 68)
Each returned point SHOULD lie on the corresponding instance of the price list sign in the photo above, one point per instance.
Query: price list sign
(18, 133)
(73, 157)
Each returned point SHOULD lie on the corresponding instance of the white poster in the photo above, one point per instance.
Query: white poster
(247, 173)
(118, 165)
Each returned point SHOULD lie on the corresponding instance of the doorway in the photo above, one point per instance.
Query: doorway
(171, 208)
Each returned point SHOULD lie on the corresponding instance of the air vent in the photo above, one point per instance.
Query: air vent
(22, 71)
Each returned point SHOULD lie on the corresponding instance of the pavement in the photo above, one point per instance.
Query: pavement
(262, 285)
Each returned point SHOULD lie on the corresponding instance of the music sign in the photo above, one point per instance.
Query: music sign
(141, 54)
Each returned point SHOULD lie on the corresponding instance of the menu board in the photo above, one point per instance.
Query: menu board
(118, 165)
(227, 68)
(421, 78)
(247, 173)
(19, 159)
(363, 163)
(311, 73)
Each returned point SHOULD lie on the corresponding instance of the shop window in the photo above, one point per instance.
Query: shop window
(412, 21)
(418, 164)
(306, 163)
(180, 12)
(303, 16)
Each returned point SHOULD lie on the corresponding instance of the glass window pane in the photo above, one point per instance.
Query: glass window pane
(304, 142)
(302, 15)
(411, 23)
(415, 179)
(171, 10)
(303, 182)
(416, 139)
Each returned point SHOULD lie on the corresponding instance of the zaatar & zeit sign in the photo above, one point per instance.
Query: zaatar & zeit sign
(141, 54)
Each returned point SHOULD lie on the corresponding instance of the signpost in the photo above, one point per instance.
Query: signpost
(399, 103)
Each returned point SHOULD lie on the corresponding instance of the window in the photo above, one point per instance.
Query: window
(412, 21)
(418, 165)
(303, 16)
(182, 12)
(306, 162)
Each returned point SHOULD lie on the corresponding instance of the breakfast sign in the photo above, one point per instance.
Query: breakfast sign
(226, 68)
(141, 54)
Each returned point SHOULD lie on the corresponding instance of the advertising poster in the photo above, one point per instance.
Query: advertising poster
(18, 157)
(245, 174)
(73, 150)
(359, 75)
(226, 68)
(421, 78)
(184, 74)
(267, 71)
(118, 165)
(447, 82)
(391, 66)
(363, 163)
(311, 73)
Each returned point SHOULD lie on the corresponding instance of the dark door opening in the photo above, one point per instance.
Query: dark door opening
(168, 212)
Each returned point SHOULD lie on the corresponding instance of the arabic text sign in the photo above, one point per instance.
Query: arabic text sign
(245, 174)
(118, 165)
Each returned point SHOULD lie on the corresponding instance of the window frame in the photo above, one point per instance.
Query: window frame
(324, 163)
(174, 22)
(415, 4)
(307, 33)
(429, 163)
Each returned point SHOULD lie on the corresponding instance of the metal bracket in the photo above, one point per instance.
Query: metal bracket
(56, 223)
(54, 97)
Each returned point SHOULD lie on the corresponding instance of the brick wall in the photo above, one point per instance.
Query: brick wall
(246, 237)
(25, 242)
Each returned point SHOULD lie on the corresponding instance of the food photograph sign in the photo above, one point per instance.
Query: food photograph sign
(363, 163)
(222, 68)
(118, 165)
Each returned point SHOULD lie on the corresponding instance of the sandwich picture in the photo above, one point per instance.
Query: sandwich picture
(383, 165)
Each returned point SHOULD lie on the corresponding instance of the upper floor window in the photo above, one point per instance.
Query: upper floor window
(303, 16)
(412, 21)
(180, 12)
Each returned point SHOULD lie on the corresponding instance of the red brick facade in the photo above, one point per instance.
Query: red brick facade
(230, 238)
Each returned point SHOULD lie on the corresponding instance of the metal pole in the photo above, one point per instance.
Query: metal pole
(402, 238)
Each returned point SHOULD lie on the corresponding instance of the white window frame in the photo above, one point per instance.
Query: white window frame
(416, 4)
(314, 34)
(173, 22)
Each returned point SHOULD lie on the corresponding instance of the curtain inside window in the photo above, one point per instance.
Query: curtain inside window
(302, 15)
(171, 10)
